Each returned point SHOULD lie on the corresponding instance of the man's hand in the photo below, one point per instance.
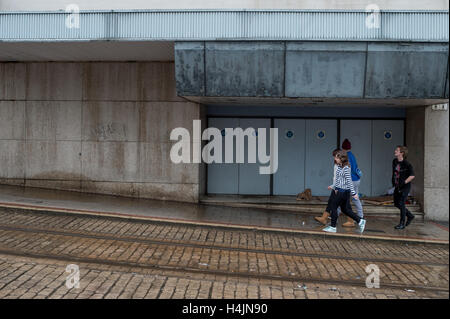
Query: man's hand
(330, 188)
(356, 197)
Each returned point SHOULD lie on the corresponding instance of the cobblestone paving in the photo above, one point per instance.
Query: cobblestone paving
(37, 278)
(139, 259)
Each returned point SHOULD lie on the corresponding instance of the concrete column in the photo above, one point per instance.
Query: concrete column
(415, 140)
(436, 180)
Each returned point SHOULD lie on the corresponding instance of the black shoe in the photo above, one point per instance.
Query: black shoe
(400, 226)
(409, 220)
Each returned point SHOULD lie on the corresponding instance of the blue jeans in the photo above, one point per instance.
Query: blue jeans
(359, 208)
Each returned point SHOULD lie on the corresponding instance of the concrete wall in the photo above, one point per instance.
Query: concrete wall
(215, 4)
(95, 127)
(415, 141)
(436, 167)
(311, 69)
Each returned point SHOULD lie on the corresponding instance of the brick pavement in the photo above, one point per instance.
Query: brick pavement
(222, 237)
(37, 278)
(136, 259)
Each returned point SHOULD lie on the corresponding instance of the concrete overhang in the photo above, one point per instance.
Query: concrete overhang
(354, 71)
(315, 102)
(87, 51)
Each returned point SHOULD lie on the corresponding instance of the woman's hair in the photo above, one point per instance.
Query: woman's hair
(342, 155)
(335, 151)
(403, 150)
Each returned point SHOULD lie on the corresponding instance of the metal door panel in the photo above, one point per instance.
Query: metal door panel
(386, 135)
(290, 177)
(223, 178)
(321, 140)
(250, 181)
(359, 133)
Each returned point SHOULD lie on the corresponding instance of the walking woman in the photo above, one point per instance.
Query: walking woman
(324, 218)
(402, 175)
(343, 189)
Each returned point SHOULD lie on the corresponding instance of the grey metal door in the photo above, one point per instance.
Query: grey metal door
(250, 180)
(386, 135)
(290, 177)
(321, 140)
(359, 133)
(223, 178)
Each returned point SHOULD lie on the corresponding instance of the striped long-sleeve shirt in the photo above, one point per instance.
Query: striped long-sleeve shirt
(344, 179)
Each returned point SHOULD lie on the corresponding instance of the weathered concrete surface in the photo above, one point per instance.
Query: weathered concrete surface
(446, 83)
(54, 81)
(190, 68)
(13, 181)
(111, 121)
(325, 69)
(244, 68)
(54, 184)
(111, 81)
(158, 119)
(411, 70)
(95, 127)
(110, 161)
(53, 120)
(311, 69)
(158, 82)
(12, 81)
(52, 160)
(12, 155)
(166, 191)
(415, 141)
(153, 169)
(12, 112)
(436, 166)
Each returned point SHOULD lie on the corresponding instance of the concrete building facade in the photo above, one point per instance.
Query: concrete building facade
(91, 109)
(95, 127)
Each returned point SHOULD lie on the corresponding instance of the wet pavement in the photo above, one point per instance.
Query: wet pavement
(119, 258)
(202, 214)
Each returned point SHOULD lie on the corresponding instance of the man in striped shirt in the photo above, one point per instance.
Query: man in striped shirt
(343, 188)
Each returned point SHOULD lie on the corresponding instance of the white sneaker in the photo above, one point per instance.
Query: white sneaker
(362, 225)
(330, 229)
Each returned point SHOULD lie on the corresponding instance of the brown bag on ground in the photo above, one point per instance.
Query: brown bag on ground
(305, 195)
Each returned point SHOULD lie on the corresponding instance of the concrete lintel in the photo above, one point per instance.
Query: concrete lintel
(321, 70)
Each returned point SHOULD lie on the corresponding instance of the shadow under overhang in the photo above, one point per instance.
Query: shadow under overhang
(80, 51)
(320, 102)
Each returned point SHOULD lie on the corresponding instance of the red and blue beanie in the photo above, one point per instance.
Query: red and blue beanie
(346, 145)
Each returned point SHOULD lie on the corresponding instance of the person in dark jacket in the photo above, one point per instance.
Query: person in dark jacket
(402, 175)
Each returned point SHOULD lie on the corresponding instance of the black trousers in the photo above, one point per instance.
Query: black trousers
(342, 200)
(400, 197)
(330, 200)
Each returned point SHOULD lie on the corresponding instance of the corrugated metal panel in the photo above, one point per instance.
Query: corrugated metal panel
(226, 24)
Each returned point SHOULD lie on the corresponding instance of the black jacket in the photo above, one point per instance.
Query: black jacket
(406, 170)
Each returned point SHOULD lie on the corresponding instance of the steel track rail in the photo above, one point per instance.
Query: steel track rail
(73, 259)
(100, 236)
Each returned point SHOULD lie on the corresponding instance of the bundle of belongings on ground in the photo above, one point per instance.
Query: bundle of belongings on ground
(386, 199)
(380, 200)
(305, 195)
